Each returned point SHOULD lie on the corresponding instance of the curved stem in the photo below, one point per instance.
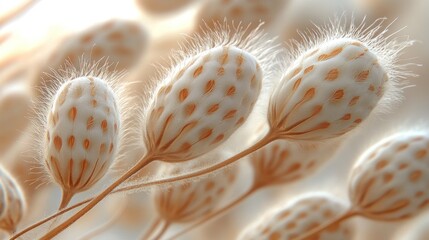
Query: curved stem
(151, 229)
(264, 141)
(323, 227)
(217, 213)
(261, 143)
(140, 164)
(163, 230)
(65, 198)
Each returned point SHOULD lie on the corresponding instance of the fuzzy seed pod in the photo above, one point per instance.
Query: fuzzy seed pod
(390, 181)
(329, 90)
(334, 84)
(301, 216)
(285, 161)
(82, 133)
(190, 201)
(14, 203)
(203, 103)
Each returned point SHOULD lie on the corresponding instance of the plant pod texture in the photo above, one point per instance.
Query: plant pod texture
(120, 42)
(82, 133)
(14, 205)
(202, 103)
(299, 217)
(191, 201)
(390, 181)
(327, 91)
(285, 161)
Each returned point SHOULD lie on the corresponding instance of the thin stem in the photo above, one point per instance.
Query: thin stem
(217, 213)
(163, 230)
(152, 228)
(264, 141)
(66, 198)
(140, 164)
(323, 227)
(105, 226)
(261, 143)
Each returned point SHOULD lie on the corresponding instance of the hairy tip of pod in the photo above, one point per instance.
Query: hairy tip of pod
(299, 217)
(202, 103)
(82, 133)
(389, 181)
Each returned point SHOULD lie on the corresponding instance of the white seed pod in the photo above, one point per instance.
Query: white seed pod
(391, 178)
(14, 202)
(207, 96)
(300, 216)
(163, 6)
(336, 83)
(189, 201)
(285, 161)
(82, 133)
(121, 42)
(239, 11)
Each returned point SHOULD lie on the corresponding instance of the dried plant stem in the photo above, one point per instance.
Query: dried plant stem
(8, 16)
(163, 230)
(151, 229)
(54, 232)
(66, 198)
(271, 136)
(217, 213)
(323, 227)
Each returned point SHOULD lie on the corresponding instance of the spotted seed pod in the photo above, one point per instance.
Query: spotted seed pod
(284, 161)
(82, 133)
(120, 41)
(390, 180)
(300, 216)
(14, 207)
(327, 91)
(239, 11)
(202, 103)
(189, 201)
(163, 6)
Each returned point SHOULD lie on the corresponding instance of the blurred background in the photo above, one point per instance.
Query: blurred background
(38, 36)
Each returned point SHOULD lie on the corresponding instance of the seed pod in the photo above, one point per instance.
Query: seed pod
(118, 43)
(239, 11)
(119, 40)
(327, 91)
(190, 201)
(14, 203)
(301, 216)
(202, 103)
(82, 133)
(163, 6)
(285, 161)
(390, 180)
